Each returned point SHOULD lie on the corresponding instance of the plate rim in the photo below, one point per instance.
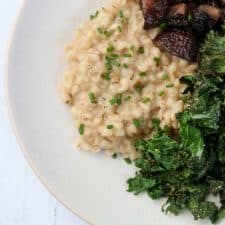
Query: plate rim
(8, 100)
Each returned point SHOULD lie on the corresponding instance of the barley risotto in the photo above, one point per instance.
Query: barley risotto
(117, 80)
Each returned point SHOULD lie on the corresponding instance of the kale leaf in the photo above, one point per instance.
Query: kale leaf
(189, 165)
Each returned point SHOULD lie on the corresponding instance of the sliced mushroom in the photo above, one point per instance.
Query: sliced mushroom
(204, 18)
(178, 43)
(154, 12)
(177, 15)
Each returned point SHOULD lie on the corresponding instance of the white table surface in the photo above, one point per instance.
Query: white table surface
(23, 199)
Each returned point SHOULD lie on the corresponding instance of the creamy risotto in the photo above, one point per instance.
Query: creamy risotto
(117, 81)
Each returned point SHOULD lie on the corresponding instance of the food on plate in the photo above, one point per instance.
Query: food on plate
(117, 80)
(146, 80)
(185, 20)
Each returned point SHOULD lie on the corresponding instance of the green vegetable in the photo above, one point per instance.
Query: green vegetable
(92, 97)
(110, 127)
(189, 165)
(161, 93)
(81, 129)
(212, 55)
(142, 74)
(141, 50)
(157, 60)
(128, 160)
(120, 29)
(127, 55)
(145, 100)
(110, 49)
(169, 85)
(125, 65)
(137, 123)
(106, 76)
(114, 156)
(165, 76)
(100, 30)
(117, 100)
(120, 13)
(94, 16)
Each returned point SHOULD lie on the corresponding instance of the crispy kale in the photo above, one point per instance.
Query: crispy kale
(212, 55)
(188, 167)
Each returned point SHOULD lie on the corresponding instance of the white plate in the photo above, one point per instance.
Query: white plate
(92, 186)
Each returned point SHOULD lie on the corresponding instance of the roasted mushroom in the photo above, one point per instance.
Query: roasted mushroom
(177, 16)
(204, 18)
(178, 43)
(154, 12)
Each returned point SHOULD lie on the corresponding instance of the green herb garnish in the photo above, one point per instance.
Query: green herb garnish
(137, 123)
(165, 76)
(110, 127)
(92, 97)
(106, 76)
(127, 55)
(117, 100)
(114, 155)
(141, 50)
(145, 100)
(127, 160)
(81, 129)
(120, 29)
(125, 65)
(110, 49)
(161, 93)
(157, 60)
(120, 13)
(100, 30)
(169, 85)
(142, 74)
(94, 16)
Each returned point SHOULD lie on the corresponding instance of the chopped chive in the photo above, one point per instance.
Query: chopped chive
(125, 65)
(81, 129)
(142, 74)
(106, 76)
(113, 56)
(107, 33)
(127, 98)
(127, 160)
(127, 55)
(120, 29)
(117, 100)
(114, 155)
(94, 16)
(141, 50)
(110, 49)
(161, 93)
(108, 66)
(100, 30)
(157, 60)
(137, 123)
(110, 127)
(138, 88)
(145, 100)
(116, 63)
(120, 13)
(92, 97)
(189, 17)
(165, 76)
(169, 85)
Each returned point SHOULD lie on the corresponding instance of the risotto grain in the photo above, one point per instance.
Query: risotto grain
(117, 81)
